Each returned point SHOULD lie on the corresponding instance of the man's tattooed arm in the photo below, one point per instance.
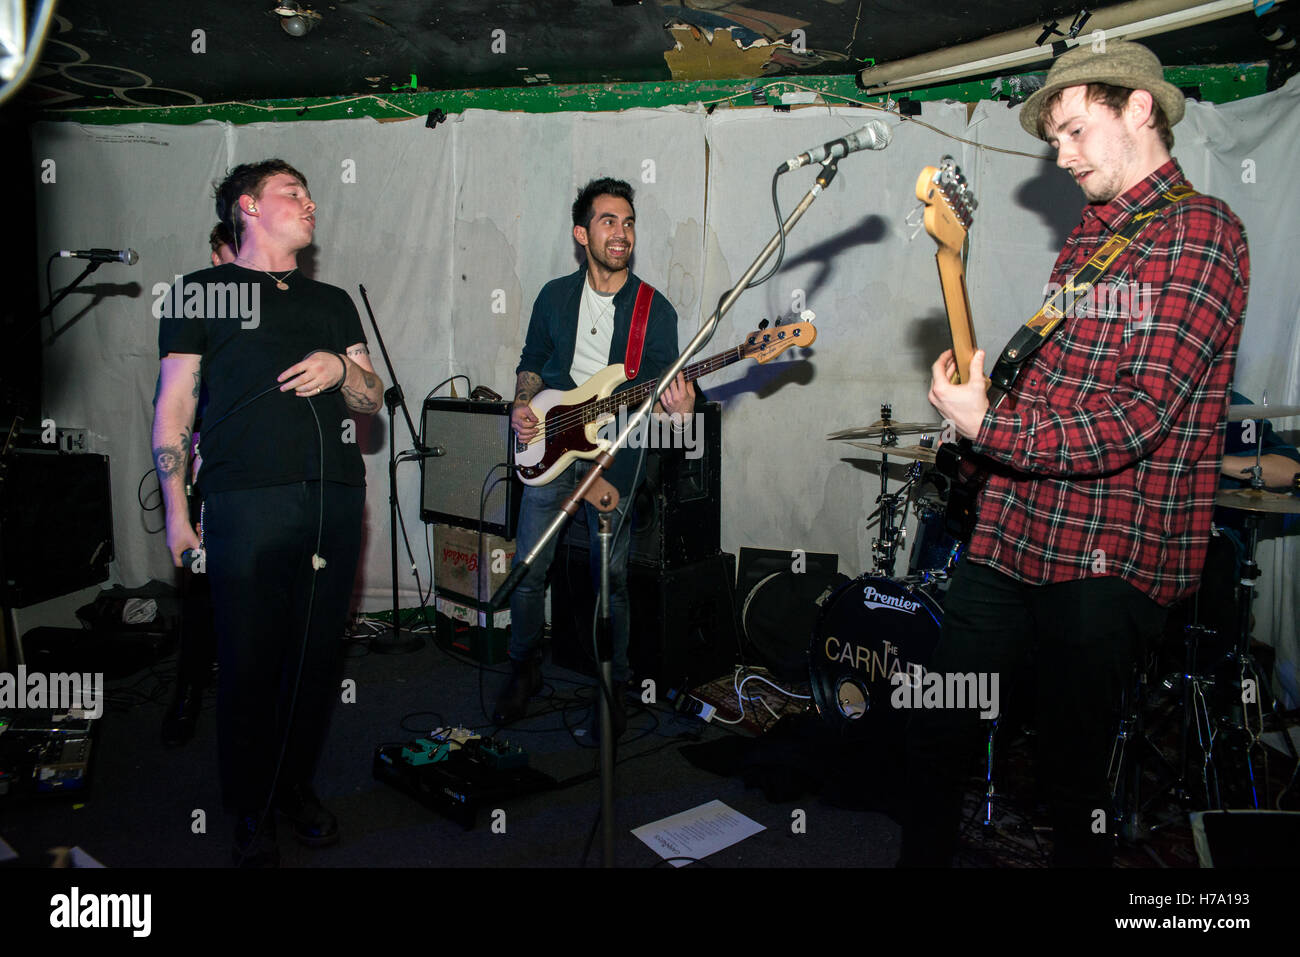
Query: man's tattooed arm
(362, 389)
(527, 385)
(172, 459)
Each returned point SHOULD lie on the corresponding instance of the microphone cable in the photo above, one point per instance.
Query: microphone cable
(317, 563)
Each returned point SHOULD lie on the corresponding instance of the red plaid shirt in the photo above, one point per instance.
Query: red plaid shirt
(1108, 447)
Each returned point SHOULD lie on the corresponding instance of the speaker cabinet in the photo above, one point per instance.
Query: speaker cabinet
(476, 437)
(683, 630)
(56, 525)
(677, 515)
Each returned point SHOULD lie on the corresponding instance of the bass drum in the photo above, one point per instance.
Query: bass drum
(869, 630)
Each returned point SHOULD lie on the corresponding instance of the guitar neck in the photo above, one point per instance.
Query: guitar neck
(635, 396)
(952, 277)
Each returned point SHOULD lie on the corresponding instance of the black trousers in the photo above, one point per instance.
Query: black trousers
(1084, 638)
(279, 626)
(198, 639)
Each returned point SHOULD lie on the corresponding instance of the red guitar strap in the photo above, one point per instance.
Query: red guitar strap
(636, 336)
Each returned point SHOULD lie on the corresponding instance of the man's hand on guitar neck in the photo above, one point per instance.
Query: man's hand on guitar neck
(962, 405)
(678, 398)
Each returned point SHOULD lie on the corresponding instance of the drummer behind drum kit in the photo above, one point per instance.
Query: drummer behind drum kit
(879, 623)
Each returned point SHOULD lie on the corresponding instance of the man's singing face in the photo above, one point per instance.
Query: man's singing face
(610, 236)
(1095, 145)
(286, 210)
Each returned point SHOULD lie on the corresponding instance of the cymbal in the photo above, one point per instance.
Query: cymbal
(1239, 413)
(880, 427)
(1257, 500)
(915, 452)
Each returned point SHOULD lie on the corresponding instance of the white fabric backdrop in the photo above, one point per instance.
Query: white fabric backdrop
(437, 221)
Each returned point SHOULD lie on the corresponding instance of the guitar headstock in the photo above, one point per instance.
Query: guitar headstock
(949, 203)
(764, 345)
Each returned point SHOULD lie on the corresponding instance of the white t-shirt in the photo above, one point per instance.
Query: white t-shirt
(591, 353)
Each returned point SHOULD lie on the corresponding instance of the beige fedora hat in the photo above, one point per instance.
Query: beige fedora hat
(1122, 63)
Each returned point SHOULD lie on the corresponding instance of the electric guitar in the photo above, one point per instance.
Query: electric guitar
(949, 212)
(570, 422)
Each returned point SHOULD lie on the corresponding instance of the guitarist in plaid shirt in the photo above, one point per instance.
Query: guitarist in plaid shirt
(1104, 460)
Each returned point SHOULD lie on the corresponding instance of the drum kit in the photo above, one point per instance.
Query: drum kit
(1225, 695)
(882, 622)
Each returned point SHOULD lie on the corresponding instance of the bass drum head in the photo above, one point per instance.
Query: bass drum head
(869, 630)
(779, 614)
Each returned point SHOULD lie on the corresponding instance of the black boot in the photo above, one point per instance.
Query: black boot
(313, 824)
(254, 847)
(525, 681)
(183, 714)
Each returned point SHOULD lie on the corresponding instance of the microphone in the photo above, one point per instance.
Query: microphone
(128, 256)
(874, 136)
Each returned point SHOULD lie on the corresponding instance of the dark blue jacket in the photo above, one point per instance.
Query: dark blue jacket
(552, 338)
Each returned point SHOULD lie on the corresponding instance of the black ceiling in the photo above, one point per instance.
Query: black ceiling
(144, 52)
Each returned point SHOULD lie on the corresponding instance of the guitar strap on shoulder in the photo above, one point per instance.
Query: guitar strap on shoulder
(636, 335)
(1031, 336)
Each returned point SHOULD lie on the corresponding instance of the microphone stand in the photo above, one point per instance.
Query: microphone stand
(602, 462)
(91, 266)
(395, 643)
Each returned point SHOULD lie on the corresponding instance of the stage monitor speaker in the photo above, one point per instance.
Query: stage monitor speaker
(56, 525)
(1246, 838)
(476, 436)
(683, 630)
(677, 515)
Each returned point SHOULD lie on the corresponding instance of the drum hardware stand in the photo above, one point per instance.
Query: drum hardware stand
(1196, 713)
(884, 550)
(989, 792)
(1127, 767)
(1240, 663)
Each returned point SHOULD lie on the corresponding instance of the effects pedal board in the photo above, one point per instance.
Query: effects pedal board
(458, 773)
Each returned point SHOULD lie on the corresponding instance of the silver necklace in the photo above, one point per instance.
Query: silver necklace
(599, 313)
(279, 280)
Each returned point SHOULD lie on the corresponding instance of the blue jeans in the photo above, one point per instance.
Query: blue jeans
(538, 508)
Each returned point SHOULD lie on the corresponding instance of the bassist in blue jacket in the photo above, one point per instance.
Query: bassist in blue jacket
(580, 324)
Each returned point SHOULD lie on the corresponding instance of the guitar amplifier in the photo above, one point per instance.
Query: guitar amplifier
(677, 515)
(476, 438)
(56, 525)
(683, 620)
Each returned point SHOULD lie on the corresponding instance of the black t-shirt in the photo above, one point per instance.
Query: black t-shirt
(248, 332)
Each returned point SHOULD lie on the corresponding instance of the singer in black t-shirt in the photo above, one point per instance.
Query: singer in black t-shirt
(287, 372)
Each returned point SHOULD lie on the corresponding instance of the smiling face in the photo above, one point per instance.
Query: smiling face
(284, 214)
(1106, 153)
(610, 236)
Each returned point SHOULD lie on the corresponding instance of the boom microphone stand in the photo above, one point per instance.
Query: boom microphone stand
(602, 462)
(395, 643)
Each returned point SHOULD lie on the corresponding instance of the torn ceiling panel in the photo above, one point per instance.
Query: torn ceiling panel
(158, 53)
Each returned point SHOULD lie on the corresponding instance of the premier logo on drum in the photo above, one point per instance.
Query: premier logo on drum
(874, 599)
(916, 688)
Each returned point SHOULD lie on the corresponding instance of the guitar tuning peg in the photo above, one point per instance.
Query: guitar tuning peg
(763, 324)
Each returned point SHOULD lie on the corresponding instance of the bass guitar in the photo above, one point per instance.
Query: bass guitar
(570, 422)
